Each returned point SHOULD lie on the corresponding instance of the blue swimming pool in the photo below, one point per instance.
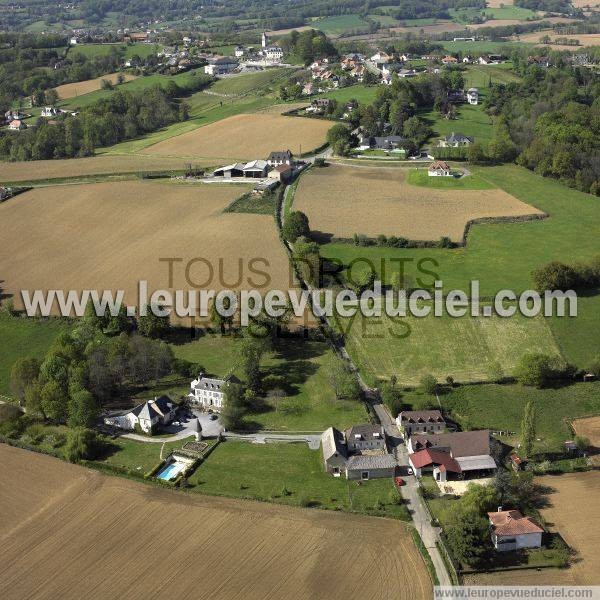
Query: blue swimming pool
(171, 470)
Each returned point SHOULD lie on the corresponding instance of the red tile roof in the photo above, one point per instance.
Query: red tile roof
(427, 458)
(512, 522)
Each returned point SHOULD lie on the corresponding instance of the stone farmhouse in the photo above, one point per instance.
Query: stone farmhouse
(360, 453)
(221, 65)
(452, 456)
(420, 421)
(207, 392)
(510, 530)
(150, 416)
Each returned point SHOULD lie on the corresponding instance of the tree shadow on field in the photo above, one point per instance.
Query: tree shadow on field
(321, 237)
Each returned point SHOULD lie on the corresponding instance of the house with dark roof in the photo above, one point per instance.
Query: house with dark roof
(360, 452)
(510, 530)
(420, 421)
(149, 416)
(455, 140)
(450, 456)
(283, 157)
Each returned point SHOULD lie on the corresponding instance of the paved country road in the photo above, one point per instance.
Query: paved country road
(414, 502)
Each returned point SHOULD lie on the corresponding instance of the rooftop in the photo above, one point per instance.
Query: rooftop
(512, 522)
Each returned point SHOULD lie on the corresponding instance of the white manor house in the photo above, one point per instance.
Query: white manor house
(207, 392)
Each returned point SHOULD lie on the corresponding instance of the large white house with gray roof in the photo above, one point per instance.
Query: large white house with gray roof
(207, 392)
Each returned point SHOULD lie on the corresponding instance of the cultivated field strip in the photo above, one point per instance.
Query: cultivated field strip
(379, 201)
(78, 88)
(245, 137)
(105, 537)
(111, 235)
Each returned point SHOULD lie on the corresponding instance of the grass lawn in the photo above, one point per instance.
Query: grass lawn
(463, 348)
(24, 337)
(258, 204)
(500, 407)
(309, 403)
(251, 82)
(261, 472)
(468, 182)
(471, 121)
(339, 24)
(363, 93)
(125, 50)
(138, 456)
(579, 337)
(479, 76)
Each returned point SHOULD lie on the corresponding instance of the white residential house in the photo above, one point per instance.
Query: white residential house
(274, 53)
(439, 168)
(149, 416)
(239, 51)
(510, 530)
(50, 111)
(380, 57)
(283, 157)
(73, 41)
(455, 140)
(473, 96)
(17, 125)
(207, 392)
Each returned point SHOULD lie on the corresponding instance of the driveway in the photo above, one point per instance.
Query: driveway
(210, 428)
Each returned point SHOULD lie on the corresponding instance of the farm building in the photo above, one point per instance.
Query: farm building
(451, 456)
(220, 66)
(420, 421)
(360, 453)
(207, 392)
(274, 53)
(439, 168)
(149, 416)
(282, 173)
(253, 169)
(319, 105)
(510, 530)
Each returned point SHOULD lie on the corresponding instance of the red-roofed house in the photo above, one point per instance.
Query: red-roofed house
(512, 531)
(439, 168)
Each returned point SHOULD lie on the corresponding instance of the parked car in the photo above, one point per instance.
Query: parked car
(399, 482)
(409, 471)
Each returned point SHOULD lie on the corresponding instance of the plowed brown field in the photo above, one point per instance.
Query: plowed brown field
(78, 88)
(342, 201)
(588, 428)
(111, 235)
(103, 537)
(94, 165)
(245, 137)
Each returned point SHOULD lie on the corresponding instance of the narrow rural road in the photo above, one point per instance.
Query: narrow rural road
(410, 492)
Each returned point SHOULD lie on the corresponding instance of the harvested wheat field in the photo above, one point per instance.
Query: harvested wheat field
(35, 170)
(588, 428)
(105, 537)
(245, 137)
(586, 39)
(341, 201)
(78, 88)
(111, 235)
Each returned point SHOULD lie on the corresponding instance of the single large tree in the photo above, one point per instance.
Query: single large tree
(295, 226)
(528, 429)
(83, 410)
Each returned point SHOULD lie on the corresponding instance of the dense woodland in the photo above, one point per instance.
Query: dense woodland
(553, 117)
(124, 115)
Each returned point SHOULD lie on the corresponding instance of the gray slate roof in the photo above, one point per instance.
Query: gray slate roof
(458, 138)
(361, 462)
(365, 431)
(333, 443)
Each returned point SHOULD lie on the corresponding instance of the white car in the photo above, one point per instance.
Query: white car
(409, 471)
